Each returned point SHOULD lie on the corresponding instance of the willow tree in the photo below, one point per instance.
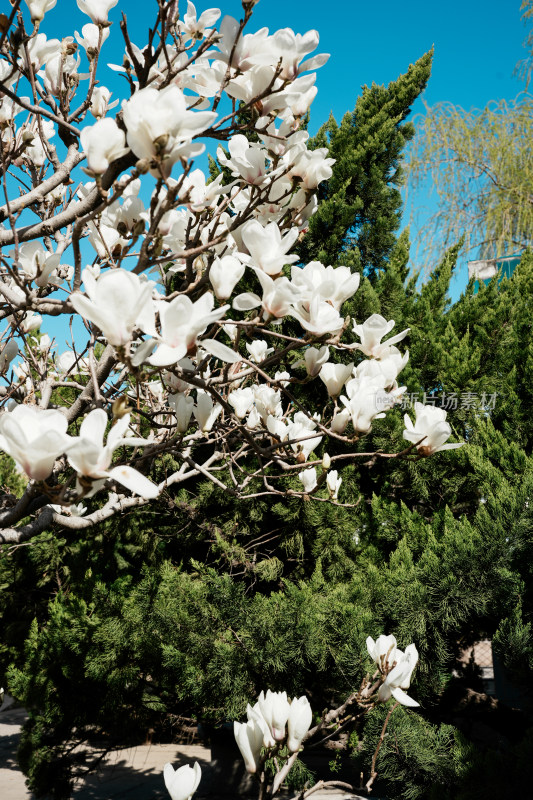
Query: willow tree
(480, 166)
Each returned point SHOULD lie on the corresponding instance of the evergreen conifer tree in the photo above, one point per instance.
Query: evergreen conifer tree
(360, 206)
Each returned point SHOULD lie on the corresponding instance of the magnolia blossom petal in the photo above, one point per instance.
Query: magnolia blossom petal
(221, 351)
(403, 698)
(134, 481)
(246, 301)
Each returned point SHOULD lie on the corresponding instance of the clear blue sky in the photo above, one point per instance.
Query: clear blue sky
(477, 42)
(477, 45)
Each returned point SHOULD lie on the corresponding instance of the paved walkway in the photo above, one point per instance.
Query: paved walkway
(131, 774)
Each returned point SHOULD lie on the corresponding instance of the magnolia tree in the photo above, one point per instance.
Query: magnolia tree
(175, 358)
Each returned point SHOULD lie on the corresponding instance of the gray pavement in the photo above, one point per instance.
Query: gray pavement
(129, 774)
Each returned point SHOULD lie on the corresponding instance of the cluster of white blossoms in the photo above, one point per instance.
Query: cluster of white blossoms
(273, 721)
(276, 727)
(200, 324)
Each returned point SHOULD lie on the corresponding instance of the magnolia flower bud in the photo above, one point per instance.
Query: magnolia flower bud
(249, 738)
(183, 782)
(224, 274)
(275, 709)
(103, 143)
(38, 8)
(326, 461)
(299, 722)
(142, 166)
(183, 408)
(335, 376)
(308, 479)
(334, 483)
(8, 354)
(205, 412)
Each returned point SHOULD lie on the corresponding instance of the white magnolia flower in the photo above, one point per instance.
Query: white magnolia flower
(254, 419)
(249, 737)
(308, 479)
(277, 427)
(183, 782)
(197, 28)
(105, 239)
(31, 321)
(69, 361)
(39, 50)
(160, 125)
(91, 458)
(90, 38)
(298, 431)
(38, 8)
(314, 360)
(334, 483)
(224, 274)
(382, 651)
(241, 51)
(431, 427)
(258, 350)
(313, 167)
(399, 678)
(117, 302)
(367, 400)
(182, 321)
(275, 709)
(197, 194)
(97, 10)
(267, 401)
(9, 109)
(102, 143)
(60, 72)
(389, 364)
(182, 406)
(8, 353)
(37, 263)
(77, 510)
(299, 722)
(335, 376)
(100, 104)
(241, 400)
(291, 47)
(268, 250)
(278, 295)
(372, 332)
(34, 438)
(206, 412)
(247, 160)
(334, 284)
(256, 81)
(317, 316)
(254, 714)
